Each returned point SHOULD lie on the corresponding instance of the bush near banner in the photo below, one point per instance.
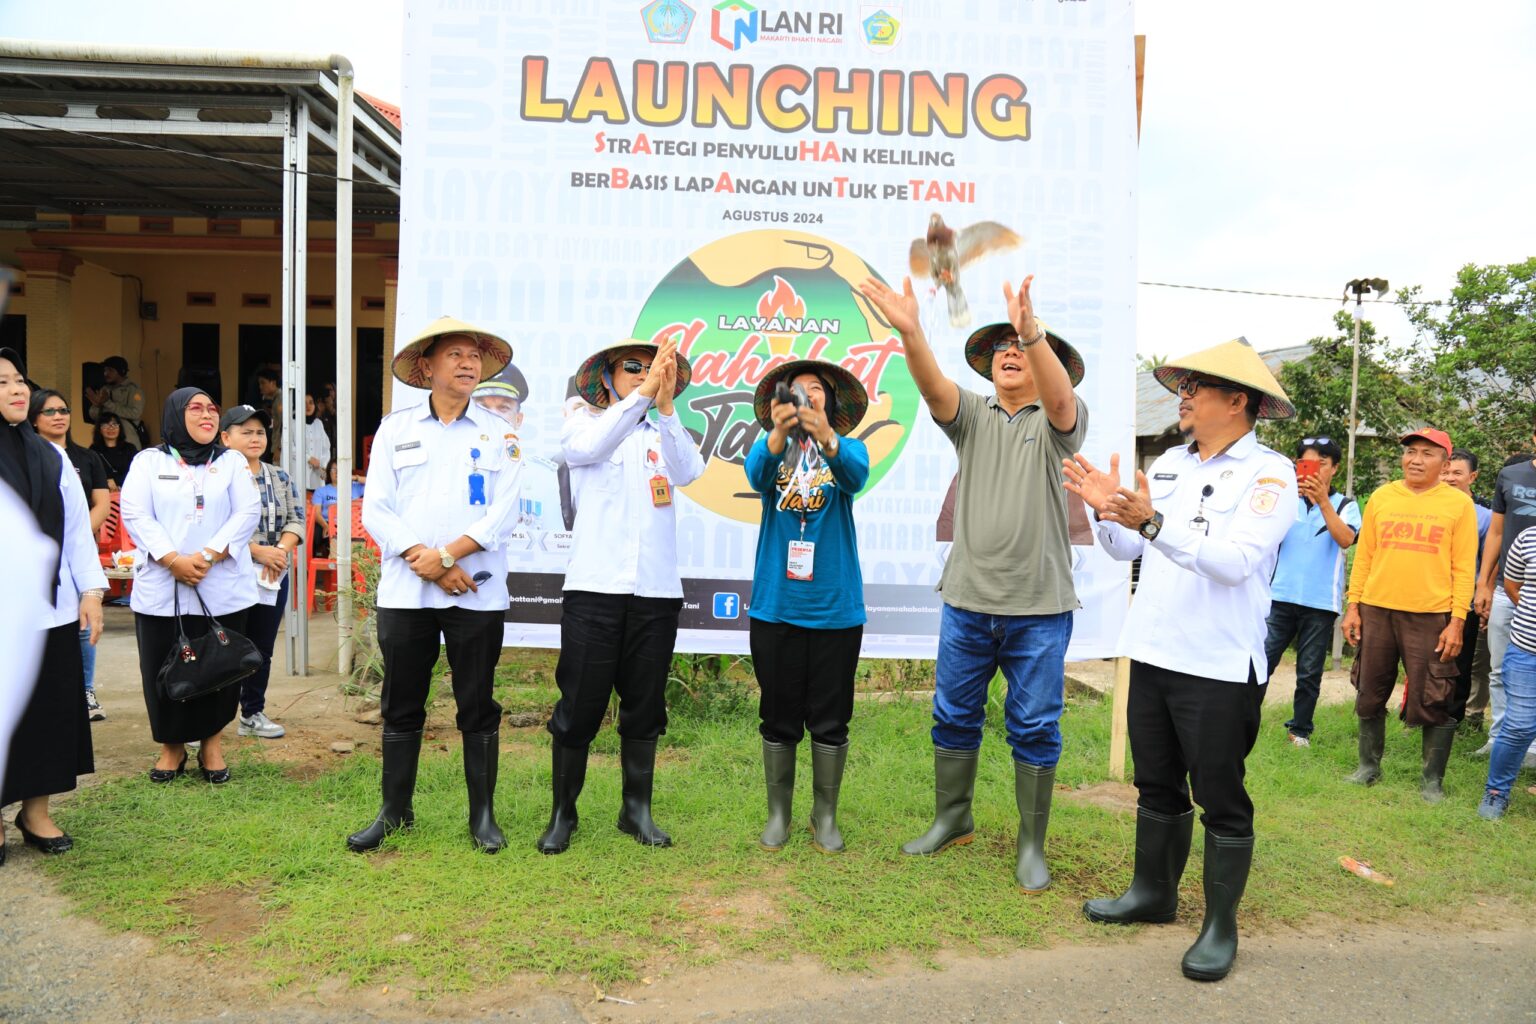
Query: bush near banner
(748, 302)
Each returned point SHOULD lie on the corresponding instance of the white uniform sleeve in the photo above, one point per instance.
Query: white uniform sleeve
(381, 499)
(244, 510)
(684, 463)
(1263, 517)
(137, 505)
(586, 439)
(1123, 545)
(80, 556)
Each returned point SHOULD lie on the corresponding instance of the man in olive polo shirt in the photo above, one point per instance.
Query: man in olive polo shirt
(1007, 586)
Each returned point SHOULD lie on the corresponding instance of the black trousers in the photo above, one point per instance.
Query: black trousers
(51, 746)
(613, 643)
(261, 625)
(1457, 708)
(806, 678)
(408, 641)
(1188, 732)
(173, 721)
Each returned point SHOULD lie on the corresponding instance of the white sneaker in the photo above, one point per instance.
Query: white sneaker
(1485, 750)
(1299, 741)
(260, 725)
(1530, 760)
(93, 707)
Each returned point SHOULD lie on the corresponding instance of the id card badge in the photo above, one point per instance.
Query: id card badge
(661, 491)
(801, 563)
(476, 479)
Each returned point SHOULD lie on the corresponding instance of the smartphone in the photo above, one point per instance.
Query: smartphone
(1306, 468)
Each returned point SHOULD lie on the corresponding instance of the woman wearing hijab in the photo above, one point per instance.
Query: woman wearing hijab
(107, 441)
(52, 743)
(807, 617)
(190, 503)
(317, 446)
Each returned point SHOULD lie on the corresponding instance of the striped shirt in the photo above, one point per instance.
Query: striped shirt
(282, 511)
(1520, 568)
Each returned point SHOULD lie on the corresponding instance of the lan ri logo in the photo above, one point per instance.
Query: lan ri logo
(734, 23)
(667, 21)
(881, 27)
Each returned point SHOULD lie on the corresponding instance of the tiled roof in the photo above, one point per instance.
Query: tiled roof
(389, 110)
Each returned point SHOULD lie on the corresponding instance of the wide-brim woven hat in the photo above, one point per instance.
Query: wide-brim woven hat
(589, 376)
(851, 401)
(978, 350)
(1234, 361)
(495, 353)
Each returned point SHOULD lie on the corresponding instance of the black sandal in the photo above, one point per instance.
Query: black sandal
(169, 774)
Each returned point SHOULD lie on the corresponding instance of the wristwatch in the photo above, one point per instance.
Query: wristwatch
(1152, 527)
(208, 556)
(447, 558)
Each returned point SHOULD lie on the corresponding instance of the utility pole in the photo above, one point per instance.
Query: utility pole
(1358, 287)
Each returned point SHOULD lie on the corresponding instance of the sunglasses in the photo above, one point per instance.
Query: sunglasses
(1308, 442)
(58, 410)
(634, 366)
(1191, 385)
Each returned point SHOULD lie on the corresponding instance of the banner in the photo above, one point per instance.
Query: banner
(727, 175)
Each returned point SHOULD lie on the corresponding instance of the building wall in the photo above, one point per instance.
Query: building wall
(119, 265)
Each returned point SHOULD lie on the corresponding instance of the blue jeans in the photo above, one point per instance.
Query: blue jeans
(88, 659)
(1519, 719)
(1312, 629)
(261, 626)
(1031, 651)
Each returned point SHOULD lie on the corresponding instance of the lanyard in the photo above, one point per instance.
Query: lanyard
(198, 481)
(806, 470)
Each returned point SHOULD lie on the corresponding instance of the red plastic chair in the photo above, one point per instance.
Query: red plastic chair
(112, 537)
(360, 536)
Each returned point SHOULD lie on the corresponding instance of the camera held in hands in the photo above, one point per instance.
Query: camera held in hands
(795, 396)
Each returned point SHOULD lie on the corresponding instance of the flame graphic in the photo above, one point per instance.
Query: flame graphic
(782, 301)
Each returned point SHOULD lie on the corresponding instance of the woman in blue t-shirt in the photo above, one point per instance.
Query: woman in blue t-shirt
(807, 614)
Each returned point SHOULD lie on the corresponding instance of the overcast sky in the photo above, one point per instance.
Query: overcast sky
(1285, 147)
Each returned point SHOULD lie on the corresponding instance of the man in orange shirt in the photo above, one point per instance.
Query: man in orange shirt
(1408, 598)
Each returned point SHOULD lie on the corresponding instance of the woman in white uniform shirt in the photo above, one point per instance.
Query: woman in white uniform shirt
(52, 743)
(191, 504)
(317, 445)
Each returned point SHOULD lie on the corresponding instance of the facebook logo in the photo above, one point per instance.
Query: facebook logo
(727, 606)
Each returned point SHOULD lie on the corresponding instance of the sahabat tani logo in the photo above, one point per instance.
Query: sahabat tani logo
(881, 25)
(667, 21)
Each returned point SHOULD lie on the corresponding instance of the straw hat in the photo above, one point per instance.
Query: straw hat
(850, 400)
(591, 386)
(494, 352)
(978, 350)
(1235, 361)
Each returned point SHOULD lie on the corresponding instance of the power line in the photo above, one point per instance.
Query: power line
(1287, 295)
(248, 164)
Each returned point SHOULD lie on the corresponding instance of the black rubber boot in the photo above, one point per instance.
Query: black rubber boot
(638, 760)
(1227, 860)
(398, 783)
(827, 782)
(481, 752)
(568, 776)
(954, 785)
(1373, 740)
(1162, 849)
(1032, 790)
(1437, 751)
(779, 774)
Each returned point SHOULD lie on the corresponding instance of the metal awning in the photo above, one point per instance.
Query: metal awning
(88, 129)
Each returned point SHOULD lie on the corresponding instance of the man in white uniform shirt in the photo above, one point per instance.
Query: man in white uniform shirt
(623, 594)
(1207, 527)
(440, 500)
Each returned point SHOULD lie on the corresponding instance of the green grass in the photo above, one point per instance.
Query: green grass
(429, 909)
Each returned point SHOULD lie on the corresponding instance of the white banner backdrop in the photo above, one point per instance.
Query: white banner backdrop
(580, 173)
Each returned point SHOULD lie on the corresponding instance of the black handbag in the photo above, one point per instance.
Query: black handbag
(219, 658)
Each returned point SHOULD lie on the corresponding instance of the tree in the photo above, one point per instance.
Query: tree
(1152, 362)
(1318, 386)
(1476, 360)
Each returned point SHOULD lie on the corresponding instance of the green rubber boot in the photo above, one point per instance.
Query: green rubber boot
(954, 785)
(1373, 740)
(779, 774)
(1162, 849)
(1227, 860)
(1437, 751)
(827, 782)
(1032, 790)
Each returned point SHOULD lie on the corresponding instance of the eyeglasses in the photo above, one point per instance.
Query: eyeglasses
(635, 366)
(1007, 342)
(1308, 442)
(199, 409)
(58, 410)
(1191, 385)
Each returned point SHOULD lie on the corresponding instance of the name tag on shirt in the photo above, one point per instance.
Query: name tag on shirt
(169, 476)
(407, 446)
(661, 491)
(802, 560)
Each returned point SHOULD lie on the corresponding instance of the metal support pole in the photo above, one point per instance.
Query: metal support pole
(296, 576)
(343, 552)
(295, 458)
(1354, 401)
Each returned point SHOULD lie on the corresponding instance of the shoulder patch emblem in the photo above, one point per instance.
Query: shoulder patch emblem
(1272, 481)
(1263, 500)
